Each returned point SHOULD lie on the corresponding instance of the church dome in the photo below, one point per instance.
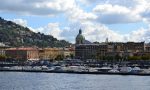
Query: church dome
(80, 38)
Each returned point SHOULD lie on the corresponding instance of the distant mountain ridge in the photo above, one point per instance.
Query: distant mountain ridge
(16, 35)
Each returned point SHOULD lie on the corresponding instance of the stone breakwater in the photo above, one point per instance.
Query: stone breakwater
(75, 72)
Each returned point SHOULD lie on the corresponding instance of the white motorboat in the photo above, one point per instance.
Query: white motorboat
(93, 69)
(44, 68)
(16, 68)
(104, 69)
(114, 69)
(125, 69)
(78, 68)
(36, 68)
(136, 70)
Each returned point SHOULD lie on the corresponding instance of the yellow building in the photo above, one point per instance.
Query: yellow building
(68, 51)
(49, 53)
(53, 53)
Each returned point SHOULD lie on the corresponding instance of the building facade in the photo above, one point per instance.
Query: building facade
(23, 53)
(90, 51)
(85, 50)
(2, 49)
(54, 53)
(49, 53)
(125, 49)
(147, 50)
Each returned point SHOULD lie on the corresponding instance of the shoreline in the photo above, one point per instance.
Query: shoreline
(74, 72)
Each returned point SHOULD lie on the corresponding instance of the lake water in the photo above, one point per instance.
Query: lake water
(56, 81)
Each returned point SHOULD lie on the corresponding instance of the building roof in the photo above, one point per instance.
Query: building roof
(87, 42)
(22, 48)
(91, 44)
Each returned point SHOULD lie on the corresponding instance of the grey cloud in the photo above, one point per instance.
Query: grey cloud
(29, 7)
(126, 3)
(146, 15)
(116, 19)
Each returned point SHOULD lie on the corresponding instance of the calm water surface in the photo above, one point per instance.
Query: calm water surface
(54, 81)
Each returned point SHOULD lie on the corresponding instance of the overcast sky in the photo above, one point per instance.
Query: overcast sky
(119, 20)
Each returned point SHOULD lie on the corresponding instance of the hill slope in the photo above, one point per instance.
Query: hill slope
(16, 35)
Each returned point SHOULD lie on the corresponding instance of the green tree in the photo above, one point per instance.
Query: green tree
(59, 57)
(145, 57)
(117, 57)
(71, 56)
(134, 58)
(3, 57)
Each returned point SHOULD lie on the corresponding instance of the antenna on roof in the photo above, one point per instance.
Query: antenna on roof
(106, 40)
(80, 31)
